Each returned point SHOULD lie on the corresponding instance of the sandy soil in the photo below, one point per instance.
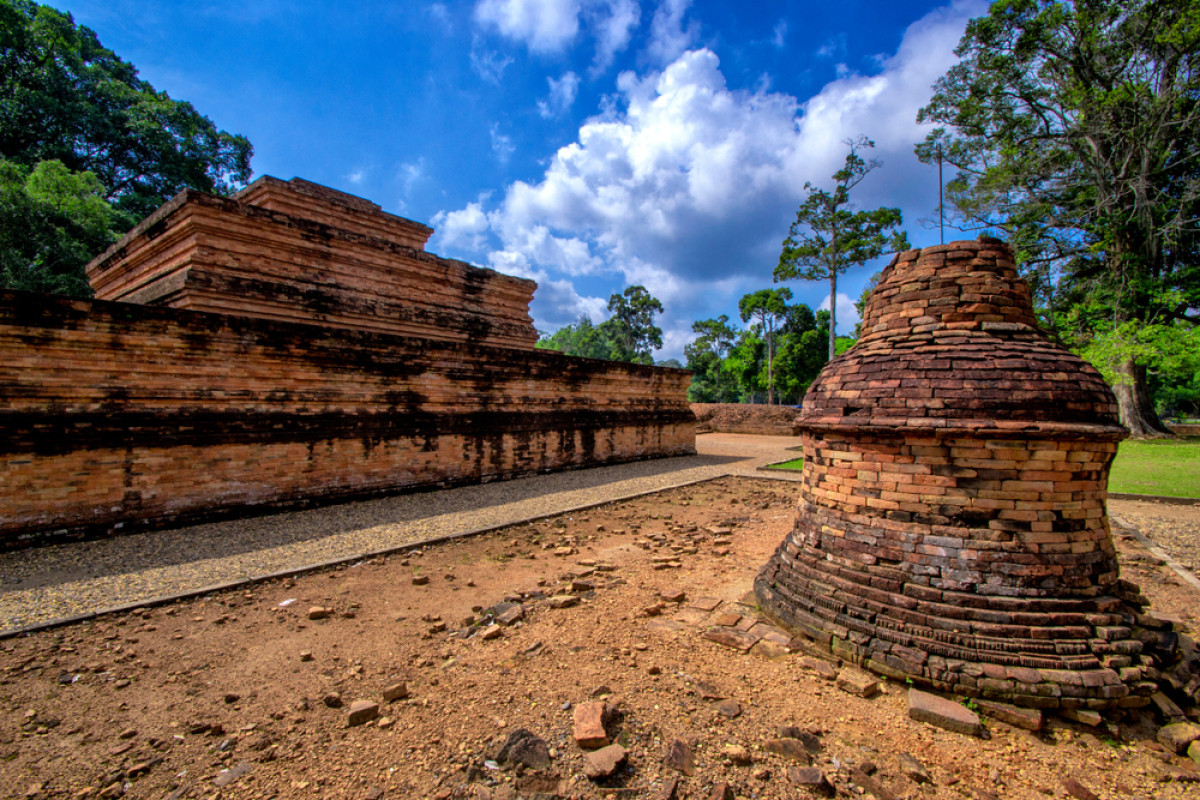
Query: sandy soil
(241, 695)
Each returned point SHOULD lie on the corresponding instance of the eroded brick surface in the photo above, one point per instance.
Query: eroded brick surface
(951, 526)
(117, 415)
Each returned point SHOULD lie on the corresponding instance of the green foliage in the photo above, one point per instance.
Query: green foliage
(65, 97)
(730, 366)
(1075, 130)
(828, 236)
(628, 335)
(632, 327)
(52, 222)
(769, 307)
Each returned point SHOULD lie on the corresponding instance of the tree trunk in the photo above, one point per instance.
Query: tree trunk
(1136, 407)
(770, 368)
(832, 313)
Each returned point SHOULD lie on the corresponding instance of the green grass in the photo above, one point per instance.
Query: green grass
(795, 463)
(1167, 467)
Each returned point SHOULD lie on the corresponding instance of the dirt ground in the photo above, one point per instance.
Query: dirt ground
(241, 695)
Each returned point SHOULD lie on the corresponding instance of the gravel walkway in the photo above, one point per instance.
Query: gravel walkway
(63, 581)
(1173, 527)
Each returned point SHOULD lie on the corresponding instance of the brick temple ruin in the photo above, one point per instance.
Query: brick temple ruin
(951, 528)
(290, 345)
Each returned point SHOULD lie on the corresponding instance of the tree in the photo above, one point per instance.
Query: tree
(828, 236)
(705, 358)
(769, 307)
(52, 222)
(579, 339)
(1076, 130)
(632, 327)
(65, 97)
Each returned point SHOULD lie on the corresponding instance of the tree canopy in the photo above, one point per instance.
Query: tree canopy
(628, 335)
(79, 129)
(1075, 129)
(769, 307)
(829, 236)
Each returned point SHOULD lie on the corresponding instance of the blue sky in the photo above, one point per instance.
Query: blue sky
(587, 144)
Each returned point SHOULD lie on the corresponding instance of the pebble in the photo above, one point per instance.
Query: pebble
(913, 769)
(563, 601)
(397, 691)
(589, 724)
(680, 758)
(737, 754)
(362, 711)
(603, 762)
(319, 612)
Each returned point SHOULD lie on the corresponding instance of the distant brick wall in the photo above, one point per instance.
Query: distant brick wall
(746, 418)
(116, 416)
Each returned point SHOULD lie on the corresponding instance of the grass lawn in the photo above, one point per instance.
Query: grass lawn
(1168, 467)
(795, 463)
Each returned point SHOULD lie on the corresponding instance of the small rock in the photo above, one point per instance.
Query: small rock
(812, 779)
(384, 723)
(332, 700)
(232, 697)
(397, 691)
(515, 612)
(737, 754)
(926, 707)
(128, 733)
(589, 719)
(722, 791)
(730, 709)
(563, 601)
(1083, 716)
(857, 682)
(420, 580)
(1167, 708)
(603, 762)
(306, 655)
(820, 666)
(788, 748)
(228, 776)
(708, 691)
(319, 612)
(362, 711)
(1193, 751)
(1178, 736)
(679, 757)
(669, 788)
(579, 586)
(492, 632)
(673, 595)
(1078, 790)
(524, 747)
(1029, 719)
(913, 769)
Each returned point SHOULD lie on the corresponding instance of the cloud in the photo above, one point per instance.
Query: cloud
(488, 64)
(544, 26)
(552, 26)
(779, 34)
(834, 47)
(465, 228)
(562, 96)
(670, 35)
(502, 145)
(687, 186)
(356, 177)
(847, 313)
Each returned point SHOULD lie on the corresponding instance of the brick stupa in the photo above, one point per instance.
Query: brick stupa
(951, 527)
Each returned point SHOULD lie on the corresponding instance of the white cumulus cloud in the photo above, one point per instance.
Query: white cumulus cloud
(552, 26)
(687, 186)
(561, 97)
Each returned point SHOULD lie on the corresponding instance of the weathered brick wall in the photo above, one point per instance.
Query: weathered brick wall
(951, 527)
(749, 418)
(115, 415)
(300, 252)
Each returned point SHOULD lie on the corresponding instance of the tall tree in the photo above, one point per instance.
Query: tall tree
(581, 338)
(65, 97)
(829, 236)
(769, 307)
(705, 358)
(632, 327)
(1076, 130)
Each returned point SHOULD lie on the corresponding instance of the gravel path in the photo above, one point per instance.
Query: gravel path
(63, 581)
(1173, 527)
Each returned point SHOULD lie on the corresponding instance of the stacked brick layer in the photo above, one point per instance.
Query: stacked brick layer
(115, 415)
(951, 527)
(300, 252)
